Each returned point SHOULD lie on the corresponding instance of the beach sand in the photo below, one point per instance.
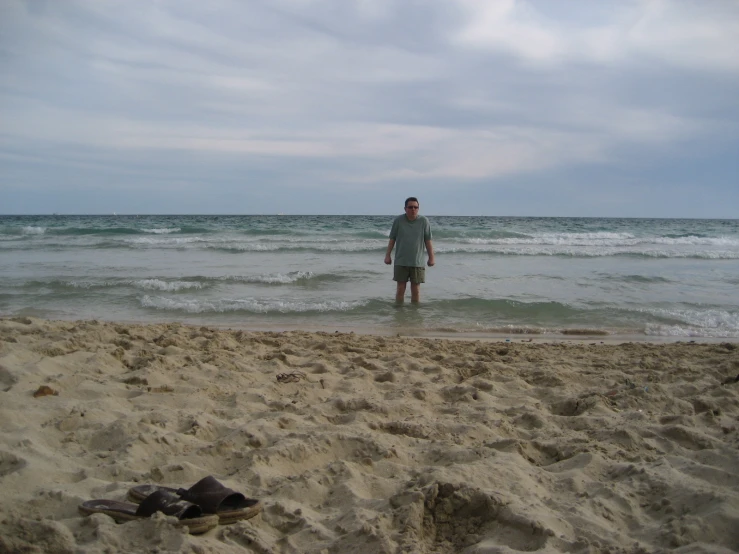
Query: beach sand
(362, 443)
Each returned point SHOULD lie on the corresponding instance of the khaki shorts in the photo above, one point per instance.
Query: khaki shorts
(404, 273)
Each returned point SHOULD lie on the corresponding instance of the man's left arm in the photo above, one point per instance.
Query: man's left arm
(427, 242)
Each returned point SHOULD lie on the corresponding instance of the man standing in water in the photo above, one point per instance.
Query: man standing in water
(410, 232)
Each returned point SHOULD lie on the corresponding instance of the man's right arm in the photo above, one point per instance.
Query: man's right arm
(390, 245)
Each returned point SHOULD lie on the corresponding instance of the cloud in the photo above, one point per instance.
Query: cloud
(511, 26)
(702, 35)
(420, 151)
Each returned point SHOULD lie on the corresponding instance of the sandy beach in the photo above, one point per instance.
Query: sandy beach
(366, 443)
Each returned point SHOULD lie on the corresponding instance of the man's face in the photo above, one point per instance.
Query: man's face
(411, 210)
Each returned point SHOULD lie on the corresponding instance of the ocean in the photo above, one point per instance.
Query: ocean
(509, 276)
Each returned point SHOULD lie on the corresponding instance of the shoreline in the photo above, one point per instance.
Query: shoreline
(574, 336)
(365, 442)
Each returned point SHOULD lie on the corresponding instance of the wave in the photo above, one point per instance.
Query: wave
(605, 239)
(8, 244)
(189, 230)
(185, 230)
(7, 232)
(172, 286)
(693, 322)
(146, 284)
(372, 234)
(235, 247)
(268, 232)
(289, 278)
(70, 284)
(491, 315)
(504, 308)
(570, 252)
(660, 330)
(250, 305)
(162, 231)
(85, 231)
(684, 235)
(168, 241)
(75, 231)
(191, 282)
(479, 235)
(697, 240)
(519, 330)
(315, 247)
(30, 230)
(635, 278)
(279, 278)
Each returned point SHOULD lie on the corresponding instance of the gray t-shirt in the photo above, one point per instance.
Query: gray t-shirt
(410, 237)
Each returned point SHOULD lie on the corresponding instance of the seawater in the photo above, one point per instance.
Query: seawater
(509, 275)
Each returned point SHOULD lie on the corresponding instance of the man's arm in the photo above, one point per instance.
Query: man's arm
(390, 245)
(430, 250)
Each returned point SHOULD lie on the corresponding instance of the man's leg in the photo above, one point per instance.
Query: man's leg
(415, 292)
(400, 292)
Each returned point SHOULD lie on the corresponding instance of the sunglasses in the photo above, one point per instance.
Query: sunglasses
(411, 207)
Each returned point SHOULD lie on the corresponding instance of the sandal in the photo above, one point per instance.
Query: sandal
(230, 506)
(188, 514)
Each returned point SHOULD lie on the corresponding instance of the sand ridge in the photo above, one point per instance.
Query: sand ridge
(362, 443)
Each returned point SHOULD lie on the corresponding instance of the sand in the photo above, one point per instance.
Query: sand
(361, 443)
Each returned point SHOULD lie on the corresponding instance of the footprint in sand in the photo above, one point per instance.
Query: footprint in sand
(10, 463)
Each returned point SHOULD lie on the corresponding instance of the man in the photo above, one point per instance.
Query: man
(410, 232)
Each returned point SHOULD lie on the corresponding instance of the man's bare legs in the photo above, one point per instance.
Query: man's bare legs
(415, 292)
(400, 292)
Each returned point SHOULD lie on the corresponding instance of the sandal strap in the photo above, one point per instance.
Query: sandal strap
(169, 504)
(212, 496)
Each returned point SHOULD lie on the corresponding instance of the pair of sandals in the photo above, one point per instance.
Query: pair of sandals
(201, 507)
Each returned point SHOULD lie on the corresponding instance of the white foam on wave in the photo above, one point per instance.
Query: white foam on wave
(687, 331)
(171, 286)
(614, 240)
(94, 284)
(163, 231)
(694, 323)
(245, 247)
(246, 305)
(589, 251)
(561, 239)
(169, 241)
(29, 230)
(363, 246)
(298, 239)
(149, 284)
(85, 284)
(277, 278)
(728, 242)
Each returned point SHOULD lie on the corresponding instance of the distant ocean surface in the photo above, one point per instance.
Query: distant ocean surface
(493, 275)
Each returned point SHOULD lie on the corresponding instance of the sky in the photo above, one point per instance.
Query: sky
(588, 108)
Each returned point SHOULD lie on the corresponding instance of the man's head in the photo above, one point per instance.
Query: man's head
(411, 207)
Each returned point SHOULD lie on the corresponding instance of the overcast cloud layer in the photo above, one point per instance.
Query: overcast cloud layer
(509, 107)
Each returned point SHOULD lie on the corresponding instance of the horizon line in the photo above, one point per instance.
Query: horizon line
(272, 214)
